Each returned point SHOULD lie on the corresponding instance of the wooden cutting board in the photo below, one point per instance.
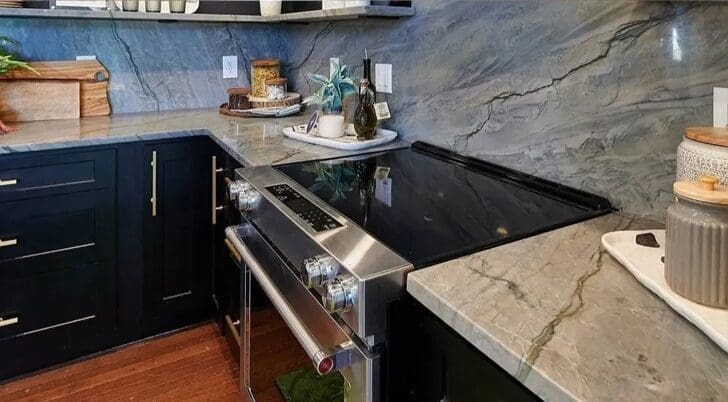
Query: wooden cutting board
(92, 76)
(31, 100)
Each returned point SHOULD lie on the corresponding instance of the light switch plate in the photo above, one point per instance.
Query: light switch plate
(332, 61)
(229, 66)
(383, 78)
(720, 107)
(86, 57)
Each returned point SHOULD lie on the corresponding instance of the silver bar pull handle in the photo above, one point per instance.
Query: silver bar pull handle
(154, 183)
(214, 190)
(5, 322)
(10, 182)
(8, 242)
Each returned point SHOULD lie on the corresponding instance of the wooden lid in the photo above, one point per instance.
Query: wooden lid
(265, 63)
(238, 91)
(276, 81)
(708, 135)
(706, 189)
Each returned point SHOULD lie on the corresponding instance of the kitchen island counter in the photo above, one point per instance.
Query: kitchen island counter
(563, 317)
(252, 141)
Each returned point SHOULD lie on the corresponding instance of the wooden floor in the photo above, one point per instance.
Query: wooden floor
(195, 364)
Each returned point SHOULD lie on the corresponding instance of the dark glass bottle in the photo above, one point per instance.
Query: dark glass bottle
(365, 118)
(368, 77)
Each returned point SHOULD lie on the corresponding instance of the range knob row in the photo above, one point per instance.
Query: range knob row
(319, 270)
(243, 195)
(340, 295)
(339, 292)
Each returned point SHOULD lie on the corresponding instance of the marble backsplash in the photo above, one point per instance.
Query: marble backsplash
(153, 65)
(594, 94)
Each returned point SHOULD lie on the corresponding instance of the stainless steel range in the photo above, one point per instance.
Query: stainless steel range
(326, 246)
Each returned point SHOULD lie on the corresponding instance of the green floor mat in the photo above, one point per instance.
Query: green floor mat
(305, 385)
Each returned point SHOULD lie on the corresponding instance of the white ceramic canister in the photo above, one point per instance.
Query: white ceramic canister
(270, 7)
(702, 152)
(696, 253)
(177, 6)
(153, 6)
(331, 125)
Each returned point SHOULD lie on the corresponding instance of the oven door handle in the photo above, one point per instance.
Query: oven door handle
(325, 358)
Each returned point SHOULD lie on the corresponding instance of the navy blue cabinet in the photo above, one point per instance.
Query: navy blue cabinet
(177, 233)
(88, 261)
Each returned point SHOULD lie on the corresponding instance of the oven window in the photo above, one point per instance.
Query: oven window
(278, 368)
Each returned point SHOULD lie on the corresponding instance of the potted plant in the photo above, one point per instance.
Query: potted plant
(330, 96)
(9, 62)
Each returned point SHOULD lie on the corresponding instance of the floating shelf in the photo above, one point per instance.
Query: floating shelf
(304, 16)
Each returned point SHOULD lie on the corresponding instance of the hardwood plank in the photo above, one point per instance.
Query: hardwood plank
(195, 364)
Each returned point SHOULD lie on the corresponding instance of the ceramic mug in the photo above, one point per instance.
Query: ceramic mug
(331, 126)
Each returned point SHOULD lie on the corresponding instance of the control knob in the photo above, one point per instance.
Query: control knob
(340, 295)
(319, 270)
(244, 195)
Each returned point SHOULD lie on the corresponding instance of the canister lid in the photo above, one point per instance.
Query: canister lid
(238, 91)
(708, 135)
(706, 189)
(276, 81)
(265, 62)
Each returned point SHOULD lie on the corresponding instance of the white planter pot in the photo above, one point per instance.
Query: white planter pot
(331, 126)
(695, 159)
(270, 7)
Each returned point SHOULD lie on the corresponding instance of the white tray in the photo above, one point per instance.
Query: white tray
(646, 265)
(347, 142)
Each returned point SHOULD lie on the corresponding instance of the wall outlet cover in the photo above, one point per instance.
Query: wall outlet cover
(720, 107)
(383, 78)
(229, 66)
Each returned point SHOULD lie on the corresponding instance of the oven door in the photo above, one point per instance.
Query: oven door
(289, 342)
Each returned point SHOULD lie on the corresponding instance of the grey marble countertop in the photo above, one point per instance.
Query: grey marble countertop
(567, 320)
(253, 142)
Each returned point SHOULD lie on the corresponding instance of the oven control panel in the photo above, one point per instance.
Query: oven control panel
(315, 217)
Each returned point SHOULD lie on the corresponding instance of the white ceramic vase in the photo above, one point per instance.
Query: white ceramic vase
(270, 7)
(331, 125)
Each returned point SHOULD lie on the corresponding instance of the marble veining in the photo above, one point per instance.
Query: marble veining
(593, 94)
(252, 142)
(564, 318)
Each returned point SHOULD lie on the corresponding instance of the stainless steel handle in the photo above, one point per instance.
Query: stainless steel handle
(214, 190)
(10, 182)
(154, 183)
(8, 243)
(325, 359)
(231, 327)
(233, 251)
(4, 322)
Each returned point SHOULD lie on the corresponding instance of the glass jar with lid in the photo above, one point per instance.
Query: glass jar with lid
(276, 88)
(261, 70)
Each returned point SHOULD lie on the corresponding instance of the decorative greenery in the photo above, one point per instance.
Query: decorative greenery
(333, 90)
(8, 61)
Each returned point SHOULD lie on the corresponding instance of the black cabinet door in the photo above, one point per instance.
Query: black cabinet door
(177, 233)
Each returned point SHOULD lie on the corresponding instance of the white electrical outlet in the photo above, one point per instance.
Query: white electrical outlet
(720, 107)
(332, 61)
(229, 66)
(383, 78)
(86, 57)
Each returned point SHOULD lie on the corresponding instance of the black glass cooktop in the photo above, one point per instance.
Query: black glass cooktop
(429, 205)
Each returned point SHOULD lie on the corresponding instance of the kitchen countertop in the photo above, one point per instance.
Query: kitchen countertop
(561, 315)
(252, 141)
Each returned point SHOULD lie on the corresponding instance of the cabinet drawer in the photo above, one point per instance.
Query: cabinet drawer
(38, 175)
(63, 313)
(65, 228)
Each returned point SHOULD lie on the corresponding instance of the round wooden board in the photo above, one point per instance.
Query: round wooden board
(242, 113)
(708, 135)
(292, 98)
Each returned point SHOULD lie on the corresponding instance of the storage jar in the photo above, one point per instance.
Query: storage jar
(696, 253)
(276, 88)
(261, 70)
(703, 151)
(238, 98)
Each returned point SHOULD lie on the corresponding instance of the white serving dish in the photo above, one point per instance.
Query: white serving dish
(646, 265)
(348, 142)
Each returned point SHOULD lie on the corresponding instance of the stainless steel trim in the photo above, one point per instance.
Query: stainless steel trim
(10, 182)
(8, 243)
(233, 251)
(154, 183)
(6, 322)
(175, 296)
